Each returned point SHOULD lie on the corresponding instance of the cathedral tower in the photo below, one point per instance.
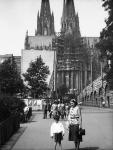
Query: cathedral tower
(70, 19)
(44, 32)
(69, 66)
(45, 20)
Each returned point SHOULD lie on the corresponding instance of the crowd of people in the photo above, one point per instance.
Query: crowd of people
(71, 112)
(57, 107)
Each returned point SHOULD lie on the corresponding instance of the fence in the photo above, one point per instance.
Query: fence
(8, 128)
(36, 104)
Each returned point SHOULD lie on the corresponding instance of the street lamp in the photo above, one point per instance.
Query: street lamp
(102, 98)
(92, 98)
(92, 69)
(92, 73)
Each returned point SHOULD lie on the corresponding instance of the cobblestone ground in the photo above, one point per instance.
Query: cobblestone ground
(35, 135)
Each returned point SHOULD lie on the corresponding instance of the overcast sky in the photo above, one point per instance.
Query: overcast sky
(18, 16)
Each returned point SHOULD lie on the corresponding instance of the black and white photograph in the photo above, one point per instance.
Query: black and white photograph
(56, 74)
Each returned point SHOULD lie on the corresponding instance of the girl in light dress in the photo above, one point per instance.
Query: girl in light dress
(57, 131)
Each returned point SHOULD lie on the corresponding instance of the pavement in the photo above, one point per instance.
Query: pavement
(35, 134)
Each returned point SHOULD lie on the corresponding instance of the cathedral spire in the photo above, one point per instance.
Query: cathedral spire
(70, 20)
(64, 11)
(26, 44)
(70, 8)
(38, 25)
(52, 23)
(45, 8)
(45, 21)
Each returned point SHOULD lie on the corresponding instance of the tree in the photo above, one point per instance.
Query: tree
(36, 76)
(10, 80)
(106, 40)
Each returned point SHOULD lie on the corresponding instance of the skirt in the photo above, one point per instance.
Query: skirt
(74, 133)
(58, 137)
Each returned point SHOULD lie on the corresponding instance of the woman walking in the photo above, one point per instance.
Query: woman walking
(75, 123)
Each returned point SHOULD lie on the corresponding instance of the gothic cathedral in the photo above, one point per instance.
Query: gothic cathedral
(73, 69)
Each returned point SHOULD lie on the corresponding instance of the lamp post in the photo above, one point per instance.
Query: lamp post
(92, 69)
(92, 73)
(102, 82)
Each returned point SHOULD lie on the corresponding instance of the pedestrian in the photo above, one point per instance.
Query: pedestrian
(62, 110)
(54, 109)
(75, 123)
(45, 110)
(57, 131)
(49, 109)
(67, 109)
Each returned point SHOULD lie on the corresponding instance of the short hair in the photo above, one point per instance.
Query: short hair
(74, 101)
(56, 117)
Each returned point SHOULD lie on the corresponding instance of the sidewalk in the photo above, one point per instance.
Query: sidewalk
(86, 109)
(35, 135)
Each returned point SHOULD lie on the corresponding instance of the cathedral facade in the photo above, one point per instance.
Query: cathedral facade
(45, 30)
(72, 70)
(41, 43)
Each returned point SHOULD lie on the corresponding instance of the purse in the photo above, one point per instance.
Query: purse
(82, 131)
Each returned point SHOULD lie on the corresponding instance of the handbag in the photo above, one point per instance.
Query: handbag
(82, 131)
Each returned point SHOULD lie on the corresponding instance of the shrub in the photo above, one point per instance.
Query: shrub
(10, 105)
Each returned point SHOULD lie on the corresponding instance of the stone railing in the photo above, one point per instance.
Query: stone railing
(97, 94)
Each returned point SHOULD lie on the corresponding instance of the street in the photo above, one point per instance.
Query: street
(98, 123)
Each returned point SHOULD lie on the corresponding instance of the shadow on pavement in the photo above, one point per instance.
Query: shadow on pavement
(31, 121)
(89, 148)
(86, 148)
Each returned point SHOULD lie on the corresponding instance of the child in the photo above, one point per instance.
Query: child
(57, 131)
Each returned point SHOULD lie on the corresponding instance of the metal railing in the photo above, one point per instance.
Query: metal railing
(8, 128)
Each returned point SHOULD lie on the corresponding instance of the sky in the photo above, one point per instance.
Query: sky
(18, 16)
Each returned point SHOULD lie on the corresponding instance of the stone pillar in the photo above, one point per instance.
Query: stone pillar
(81, 80)
(78, 80)
(74, 79)
(62, 77)
(57, 80)
(67, 79)
(85, 75)
(72, 74)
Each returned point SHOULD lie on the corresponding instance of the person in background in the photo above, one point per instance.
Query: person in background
(62, 110)
(67, 109)
(54, 109)
(57, 131)
(49, 109)
(75, 123)
(45, 110)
